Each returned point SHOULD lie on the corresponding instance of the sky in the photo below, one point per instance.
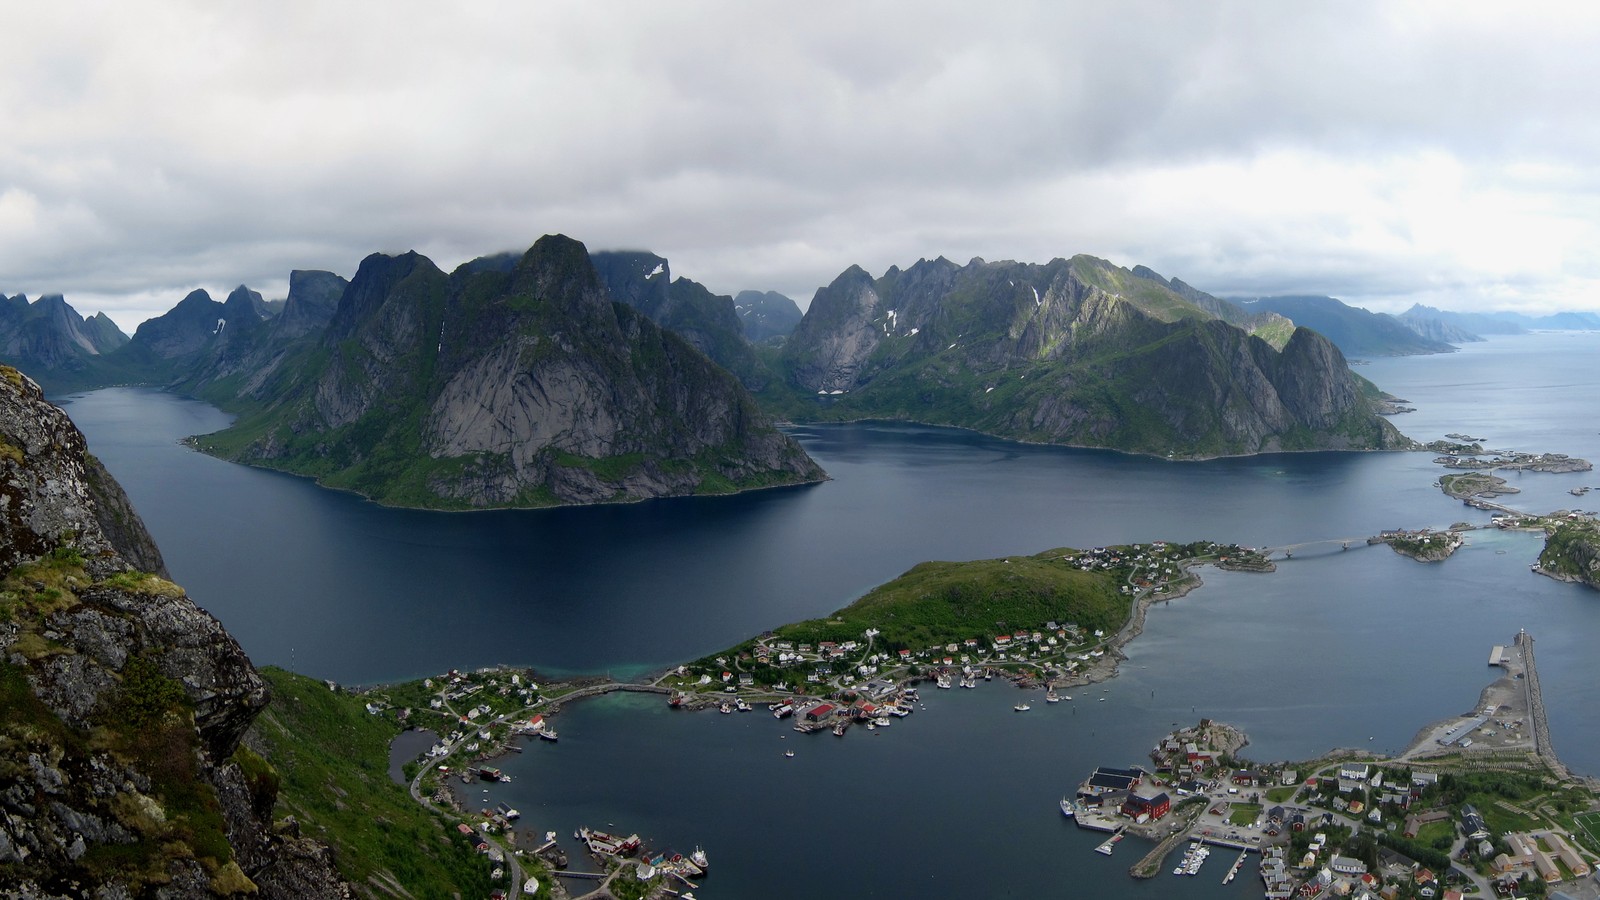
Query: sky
(1384, 153)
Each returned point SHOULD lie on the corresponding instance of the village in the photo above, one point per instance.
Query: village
(1451, 817)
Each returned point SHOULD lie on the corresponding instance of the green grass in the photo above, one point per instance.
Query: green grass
(1588, 825)
(1281, 793)
(1243, 814)
(939, 602)
(332, 759)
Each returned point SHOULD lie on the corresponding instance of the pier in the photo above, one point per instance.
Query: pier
(1536, 713)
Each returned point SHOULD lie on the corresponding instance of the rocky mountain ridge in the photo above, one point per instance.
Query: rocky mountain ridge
(507, 383)
(1077, 352)
(123, 703)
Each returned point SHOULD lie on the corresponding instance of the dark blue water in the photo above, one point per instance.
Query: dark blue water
(1335, 648)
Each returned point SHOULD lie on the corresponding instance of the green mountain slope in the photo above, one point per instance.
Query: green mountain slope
(1076, 352)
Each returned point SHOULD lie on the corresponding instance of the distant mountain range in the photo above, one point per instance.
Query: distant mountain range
(1357, 332)
(561, 376)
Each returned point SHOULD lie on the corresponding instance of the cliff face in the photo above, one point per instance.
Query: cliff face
(50, 336)
(509, 384)
(121, 702)
(1076, 352)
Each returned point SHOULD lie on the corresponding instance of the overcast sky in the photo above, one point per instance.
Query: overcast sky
(1383, 153)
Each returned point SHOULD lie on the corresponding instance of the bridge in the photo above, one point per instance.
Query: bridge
(1289, 550)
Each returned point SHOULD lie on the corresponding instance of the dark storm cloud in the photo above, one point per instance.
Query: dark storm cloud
(1381, 152)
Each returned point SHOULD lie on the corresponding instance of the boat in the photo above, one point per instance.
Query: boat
(698, 857)
(1050, 696)
(1022, 707)
(943, 681)
(789, 753)
(1068, 808)
(726, 709)
(1066, 696)
(547, 734)
(1111, 842)
(740, 705)
(840, 728)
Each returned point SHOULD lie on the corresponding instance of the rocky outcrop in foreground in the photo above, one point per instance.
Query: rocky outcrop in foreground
(122, 704)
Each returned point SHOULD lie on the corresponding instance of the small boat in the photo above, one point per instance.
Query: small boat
(943, 681)
(1022, 707)
(740, 705)
(1050, 696)
(726, 708)
(789, 753)
(840, 728)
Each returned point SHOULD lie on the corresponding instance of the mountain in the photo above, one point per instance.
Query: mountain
(50, 337)
(1437, 325)
(688, 309)
(239, 361)
(122, 704)
(1477, 324)
(506, 384)
(1355, 331)
(1563, 321)
(1077, 352)
(766, 314)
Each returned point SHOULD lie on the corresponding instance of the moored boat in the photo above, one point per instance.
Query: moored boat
(1022, 707)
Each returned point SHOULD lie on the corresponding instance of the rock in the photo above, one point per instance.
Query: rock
(124, 700)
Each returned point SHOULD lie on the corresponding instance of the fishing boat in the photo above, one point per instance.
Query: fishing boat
(546, 734)
(698, 857)
(841, 727)
(943, 681)
(1110, 843)
(1068, 808)
(1051, 696)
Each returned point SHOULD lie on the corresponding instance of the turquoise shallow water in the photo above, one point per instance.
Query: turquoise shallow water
(1335, 648)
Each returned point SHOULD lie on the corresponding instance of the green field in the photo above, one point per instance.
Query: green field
(1589, 823)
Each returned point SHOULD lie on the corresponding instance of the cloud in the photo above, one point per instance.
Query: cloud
(1376, 151)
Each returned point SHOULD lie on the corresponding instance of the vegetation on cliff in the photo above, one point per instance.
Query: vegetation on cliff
(332, 761)
(1572, 552)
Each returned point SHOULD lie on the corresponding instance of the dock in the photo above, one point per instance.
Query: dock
(1237, 865)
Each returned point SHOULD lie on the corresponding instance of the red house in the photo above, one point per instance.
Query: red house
(1147, 802)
